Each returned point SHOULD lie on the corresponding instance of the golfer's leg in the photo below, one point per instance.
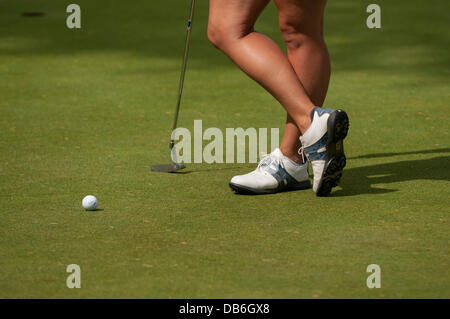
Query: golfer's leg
(230, 29)
(301, 23)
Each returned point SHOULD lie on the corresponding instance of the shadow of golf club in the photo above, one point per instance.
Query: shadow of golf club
(216, 167)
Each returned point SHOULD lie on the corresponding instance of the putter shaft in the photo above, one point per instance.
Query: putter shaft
(183, 69)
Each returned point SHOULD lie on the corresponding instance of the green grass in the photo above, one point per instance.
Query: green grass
(88, 111)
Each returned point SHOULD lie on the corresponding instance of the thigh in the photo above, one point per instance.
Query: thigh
(305, 16)
(235, 15)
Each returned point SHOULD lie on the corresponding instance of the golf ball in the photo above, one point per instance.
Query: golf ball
(89, 202)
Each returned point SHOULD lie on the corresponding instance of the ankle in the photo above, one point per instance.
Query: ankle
(292, 155)
(304, 123)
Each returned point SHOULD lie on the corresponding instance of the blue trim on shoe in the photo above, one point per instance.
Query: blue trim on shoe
(320, 111)
(285, 180)
(312, 153)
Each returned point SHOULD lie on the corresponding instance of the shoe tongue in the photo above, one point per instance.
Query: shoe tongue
(277, 152)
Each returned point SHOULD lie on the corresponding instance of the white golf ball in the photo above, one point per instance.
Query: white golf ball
(89, 202)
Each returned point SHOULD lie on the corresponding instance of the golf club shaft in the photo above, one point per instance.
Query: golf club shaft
(183, 69)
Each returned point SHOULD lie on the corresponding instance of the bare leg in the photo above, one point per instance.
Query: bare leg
(301, 23)
(230, 29)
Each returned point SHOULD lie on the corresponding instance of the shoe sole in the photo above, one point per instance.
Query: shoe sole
(244, 190)
(338, 125)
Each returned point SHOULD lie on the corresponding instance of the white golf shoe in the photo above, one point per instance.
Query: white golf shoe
(323, 145)
(275, 173)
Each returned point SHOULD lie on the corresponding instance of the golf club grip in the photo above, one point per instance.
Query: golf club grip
(183, 68)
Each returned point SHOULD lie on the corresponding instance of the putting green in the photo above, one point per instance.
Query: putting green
(88, 111)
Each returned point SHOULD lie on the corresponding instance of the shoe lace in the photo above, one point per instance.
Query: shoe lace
(268, 160)
(302, 153)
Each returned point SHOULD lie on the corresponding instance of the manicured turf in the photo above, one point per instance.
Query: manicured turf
(88, 111)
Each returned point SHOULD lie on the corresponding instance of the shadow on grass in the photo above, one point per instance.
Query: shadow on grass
(375, 155)
(363, 180)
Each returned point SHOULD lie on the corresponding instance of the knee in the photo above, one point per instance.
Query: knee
(296, 35)
(216, 36)
(222, 35)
